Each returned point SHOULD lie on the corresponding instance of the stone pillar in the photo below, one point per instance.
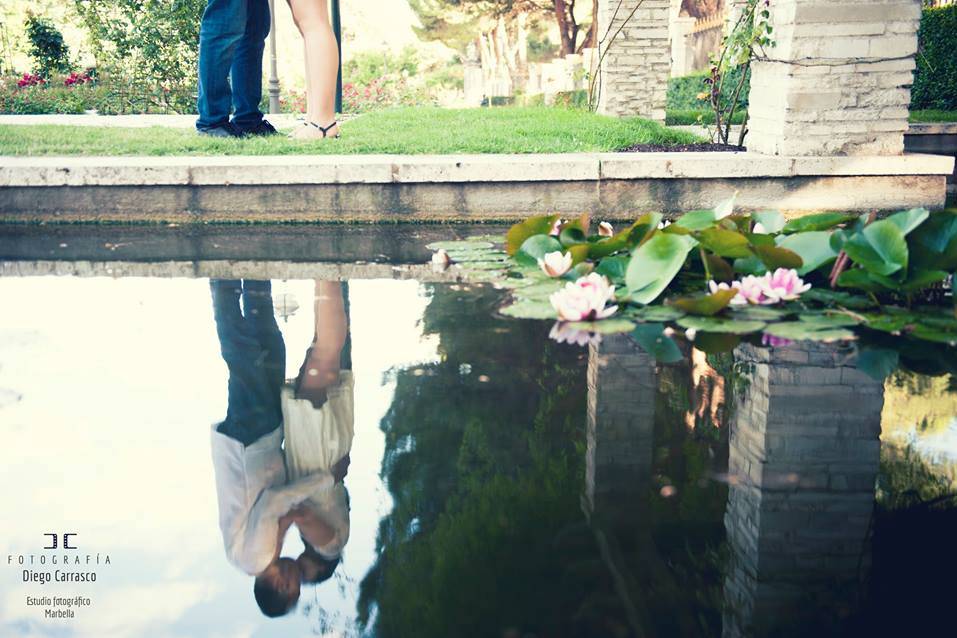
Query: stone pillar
(681, 62)
(803, 462)
(620, 428)
(633, 78)
(838, 80)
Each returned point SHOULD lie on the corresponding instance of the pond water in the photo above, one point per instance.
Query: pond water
(499, 484)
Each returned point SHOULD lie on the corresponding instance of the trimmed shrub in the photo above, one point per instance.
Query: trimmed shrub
(935, 81)
(683, 92)
(49, 52)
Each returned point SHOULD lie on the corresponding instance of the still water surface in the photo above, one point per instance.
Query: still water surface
(499, 484)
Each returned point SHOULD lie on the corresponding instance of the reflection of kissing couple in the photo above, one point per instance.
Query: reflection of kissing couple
(282, 452)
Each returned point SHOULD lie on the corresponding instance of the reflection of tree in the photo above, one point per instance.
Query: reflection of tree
(482, 464)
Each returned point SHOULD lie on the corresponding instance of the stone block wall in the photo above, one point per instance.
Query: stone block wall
(804, 456)
(634, 72)
(622, 381)
(838, 80)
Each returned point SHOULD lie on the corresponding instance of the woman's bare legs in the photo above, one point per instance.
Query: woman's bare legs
(322, 65)
(321, 365)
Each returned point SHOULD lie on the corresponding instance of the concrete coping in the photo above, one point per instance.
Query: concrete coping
(418, 169)
(933, 128)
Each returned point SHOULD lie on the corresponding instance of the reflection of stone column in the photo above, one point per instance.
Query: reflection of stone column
(803, 461)
(621, 414)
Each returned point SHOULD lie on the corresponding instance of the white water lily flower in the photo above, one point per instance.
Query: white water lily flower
(664, 224)
(556, 227)
(564, 333)
(556, 264)
(440, 259)
(606, 230)
(759, 229)
(584, 299)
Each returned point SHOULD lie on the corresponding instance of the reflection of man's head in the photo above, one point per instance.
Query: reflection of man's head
(277, 588)
(314, 567)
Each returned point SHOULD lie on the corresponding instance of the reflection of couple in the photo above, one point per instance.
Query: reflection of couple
(270, 477)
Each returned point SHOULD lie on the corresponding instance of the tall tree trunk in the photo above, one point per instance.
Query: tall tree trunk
(591, 36)
(564, 24)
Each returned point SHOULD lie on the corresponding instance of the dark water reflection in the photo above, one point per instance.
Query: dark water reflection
(500, 484)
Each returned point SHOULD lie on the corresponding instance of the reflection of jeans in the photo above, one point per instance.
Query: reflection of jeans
(232, 37)
(255, 354)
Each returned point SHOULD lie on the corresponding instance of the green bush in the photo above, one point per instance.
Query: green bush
(935, 81)
(148, 47)
(49, 52)
(683, 92)
(56, 96)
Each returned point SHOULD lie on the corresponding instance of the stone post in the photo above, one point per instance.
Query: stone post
(804, 456)
(633, 78)
(681, 63)
(838, 80)
(620, 427)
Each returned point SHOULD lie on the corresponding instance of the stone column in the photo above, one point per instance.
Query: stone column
(803, 462)
(838, 80)
(620, 428)
(633, 78)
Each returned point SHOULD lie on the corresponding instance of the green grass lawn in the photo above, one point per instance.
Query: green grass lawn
(677, 117)
(408, 130)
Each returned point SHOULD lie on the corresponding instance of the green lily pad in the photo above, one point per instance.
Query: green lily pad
(725, 243)
(880, 248)
(614, 267)
(772, 220)
(612, 325)
(519, 233)
(814, 249)
(720, 324)
(654, 264)
(716, 342)
(653, 313)
(838, 298)
(832, 320)
(530, 309)
(706, 305)
(908, 220)
(818, 221)
(777, 257)
(806, 331)
(535, 248)
(758, 313)
(651, 338)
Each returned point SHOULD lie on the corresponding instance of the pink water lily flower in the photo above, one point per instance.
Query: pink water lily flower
(784, 285)
(781, 285)
(750, 291)
(556, 227)
(606, 230)
(774, 342)
(564, 333)
(556, 264)
(584, 299)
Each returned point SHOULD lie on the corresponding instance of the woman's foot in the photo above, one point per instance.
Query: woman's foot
(313, 131)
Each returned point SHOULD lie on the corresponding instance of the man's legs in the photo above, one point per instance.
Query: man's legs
(247, 67)
(253, 405)
(222, 29)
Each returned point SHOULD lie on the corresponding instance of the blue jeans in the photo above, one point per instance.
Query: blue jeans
(232, 37)
(255, 355)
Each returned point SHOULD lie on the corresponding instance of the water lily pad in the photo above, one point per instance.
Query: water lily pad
(725, 243)
(654, 313)
(519, 233)
(463, 245)
(758, 313)
(535, 248)
(772, 220)
(540, 289)
(818, 221)
(614, 267)
(706, 305)
(832, 320)
(654, 264)
(696, 220)
(838, 298)
(651, 338)
(716, 342)
(608, 326)
(880, 248)
(806, 331)
(530, 309)
(720, 324)
(777, 257)
(814, 248)
(908, 220)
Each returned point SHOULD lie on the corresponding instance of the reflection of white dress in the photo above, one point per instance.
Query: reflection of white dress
(315, 440)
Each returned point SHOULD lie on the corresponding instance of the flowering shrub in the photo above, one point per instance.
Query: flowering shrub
(77, 78)
(30, 80)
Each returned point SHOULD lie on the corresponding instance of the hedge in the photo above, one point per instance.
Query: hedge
(935, 81)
